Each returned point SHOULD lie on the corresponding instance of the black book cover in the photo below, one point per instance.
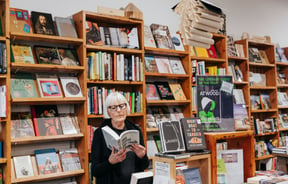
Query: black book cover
(164, 90)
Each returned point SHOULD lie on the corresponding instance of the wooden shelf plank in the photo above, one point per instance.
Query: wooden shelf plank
(40, 139)
(266, 134)
(150, 130)
(26, 67)
(229, 135)
(283, 129)
(113, 49)
(167, 102)
(259, 44)
(263, 110)
(212, 60)
(3, 119)
(166, 52)
(61, 100)
(114, 82)
(47, 177)
(284, 64)
(260, 64)
(264, 157)
(3, 76)
(45, 38)
(282, 107)
(262, 87)
(282, 85)
(166, 75)
(237, 58)
(3, 160)
(241, 83)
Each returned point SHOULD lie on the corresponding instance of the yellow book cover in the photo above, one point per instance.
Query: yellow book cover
(177, 91)
(201, 52)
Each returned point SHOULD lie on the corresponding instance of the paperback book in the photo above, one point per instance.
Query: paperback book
(23, 86)
(23, 166)
(47, 161)
(70, 159)
(71, 86)
(164, 90)
(22, 54)
(21, 125)
(20, 21)
(65, 27)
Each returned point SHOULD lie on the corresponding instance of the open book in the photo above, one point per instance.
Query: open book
(124, 141)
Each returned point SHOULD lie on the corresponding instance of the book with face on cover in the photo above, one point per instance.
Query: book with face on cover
(42, 23)
(122, 141)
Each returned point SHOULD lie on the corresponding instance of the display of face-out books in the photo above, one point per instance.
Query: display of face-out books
(164, 90)
(23, 86)
(176, 65)
(93, 35)
(47, 161)
(171, 136)
(22, 54)
(69, 124)
(257, 79)
(70, 160)
(193, 134)
(71, 86)
(177, 42)
(48, 86)
(241, 117)
(148, 37)
(42, 23)
(163, 64)
(177, 91)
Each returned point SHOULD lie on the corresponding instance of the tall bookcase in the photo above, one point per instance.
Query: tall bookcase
(5, 163)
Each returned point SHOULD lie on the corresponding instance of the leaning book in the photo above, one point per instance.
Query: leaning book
(70, 159)
(122, 141)
(23, 86)
(23, 166)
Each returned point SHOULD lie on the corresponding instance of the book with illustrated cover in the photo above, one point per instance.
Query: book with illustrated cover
(265, 101)
(281, 53)
(201, 52)
(65, 27)
(238, 73)
(47, 161)
(257, 79)
(20, 21)
(238, 96)
(161, 113)
(93, 35)
(21, 125)
(163, 64)
(255, 102)
(177, 91)
(22, 54)
(281, 77)
(68, 57)
(231, 46)
(46, 120)
(23, 166)
(282, 98)
(162, 36)
(254, 55)
(241, 117)
(192, 176)
(283, 120)
(240, 50)
(164, 90)
(122, 141)
(212, 52)
(150, 64)
(48, 86)
(71, 86)
(23, 86)
(151, 92)
(68, 124)
(47, 55)
(148, 37)
(176, 65)
(264, 57)
(70, 159)
(177, 42)
(171, 136)
(42, 23)
(193, 134)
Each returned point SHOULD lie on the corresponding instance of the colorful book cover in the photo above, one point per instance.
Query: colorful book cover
(164, 90)
(49, 87)
(93, 35)
(46, 120)
(241, 117)
(150, 64)
(151, 92)
(21, 125)
(177, 91)
(215, 102)
(162, 36)
(47, 55)
(23, 86)
(43, 23)
(20, 21)
(71, 86)
(47, 161)
(22, 54)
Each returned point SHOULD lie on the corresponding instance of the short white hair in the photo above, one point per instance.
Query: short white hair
(114, 96)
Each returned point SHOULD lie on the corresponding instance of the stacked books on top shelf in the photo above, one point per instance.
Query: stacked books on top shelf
(46, 161)
(43, 120)
(42, 23)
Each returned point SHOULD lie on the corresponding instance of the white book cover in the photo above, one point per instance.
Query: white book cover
(148, 37)
(67, 124)
(163, 64)
(234, 165)
(23, 166)
(71, 86)
(142, 177)
(176, 65)
(177, 42)
(151, 148)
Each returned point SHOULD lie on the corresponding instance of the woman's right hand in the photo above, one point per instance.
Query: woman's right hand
(115, 158)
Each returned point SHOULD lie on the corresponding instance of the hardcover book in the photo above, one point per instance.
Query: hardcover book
(255, 102)
(176, 65)
(65, 27)
(71, 86)
(93, 35)
(177, 42)
(23, 86)
(148, 37)
(46, 120)
(163, 64)
(215, 102)
(22, 54)
(265, 101)
(122, 141)
(164, 90)
(254, 55)
(193, 134)
(23, 166)
(47, 161)
(47, 55)
(150, 64)
(162, 36)
(48, 86)
(20, 21)
(68, 57)
(68, 124)
(42, 23)
(241, 117)
(177, 91)
(192, 176)
(171, 136)
(21, 125)
(151, 92)
(70, 160)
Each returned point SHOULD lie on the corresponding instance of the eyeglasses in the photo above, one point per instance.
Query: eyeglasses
(114, 108)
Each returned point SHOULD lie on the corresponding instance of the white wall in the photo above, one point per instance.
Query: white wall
(257, 17)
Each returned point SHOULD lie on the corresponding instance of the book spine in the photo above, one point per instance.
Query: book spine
(36, 129)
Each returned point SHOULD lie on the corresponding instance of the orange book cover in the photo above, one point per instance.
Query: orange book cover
(177, 91)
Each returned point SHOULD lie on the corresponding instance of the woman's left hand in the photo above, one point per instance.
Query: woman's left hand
(139, 150)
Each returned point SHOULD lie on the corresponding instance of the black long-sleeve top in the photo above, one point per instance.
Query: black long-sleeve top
(107, 173)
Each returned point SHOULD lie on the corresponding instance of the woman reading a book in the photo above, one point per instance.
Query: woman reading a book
(109, 166)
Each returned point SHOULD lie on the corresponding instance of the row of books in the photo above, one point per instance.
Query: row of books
(101, 67)
(268, 177)
(265, 126)
(163, 64)
(234, 49)
(46, 161)
(3, 58)
(23, 86)
(261, 148)
(96, 98)
(211, 52)
(202, 69)
(43, 120)
(164, 90)
(91, 130)
(268, 164)
(3, 101)
(44, 55)
(125, 37)
(261, 101)
(41, 23)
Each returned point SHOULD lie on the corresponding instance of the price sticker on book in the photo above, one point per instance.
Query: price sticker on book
(227, 87)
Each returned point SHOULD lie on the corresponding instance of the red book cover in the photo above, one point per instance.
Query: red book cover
(212, 52)
(36, 129)
(95, 100)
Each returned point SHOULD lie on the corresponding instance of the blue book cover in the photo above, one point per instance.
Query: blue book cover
(192, 176)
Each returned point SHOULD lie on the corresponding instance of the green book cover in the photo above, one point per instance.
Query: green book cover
(1, 32)
(23, 86)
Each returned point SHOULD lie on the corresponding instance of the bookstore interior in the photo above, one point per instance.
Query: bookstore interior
(197, 105)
